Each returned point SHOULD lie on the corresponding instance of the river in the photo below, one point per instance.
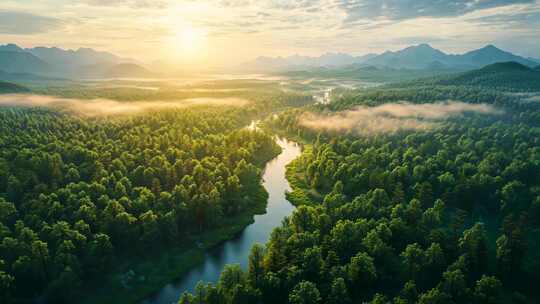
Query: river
(236, 251)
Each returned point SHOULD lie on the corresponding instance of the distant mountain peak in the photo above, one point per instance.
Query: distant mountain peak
(423, 56)
(55, 61)
(11, 47)
(419, 56)
(421, 46)
(425, 46)
(492, 54)
(490, 47)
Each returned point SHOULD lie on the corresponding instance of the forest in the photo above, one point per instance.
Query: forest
(269, 152)
(422, 191)
(447, 214)
(501, 76)
(78, 194)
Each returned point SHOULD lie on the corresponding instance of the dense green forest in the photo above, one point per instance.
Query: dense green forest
(450, 214)
(78, 194)
(424, 94)
(444, 214)
(504, 75)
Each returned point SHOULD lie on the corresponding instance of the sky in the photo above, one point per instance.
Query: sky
(226, 32)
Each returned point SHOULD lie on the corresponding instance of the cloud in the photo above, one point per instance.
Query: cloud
(105, 107)
(145, 4)
(311, 5)
(235, 3)
(409, 9)
(19, 23)
(275, 4)
(391, 117)
(532, 99)
(520, 19)
(408, 40)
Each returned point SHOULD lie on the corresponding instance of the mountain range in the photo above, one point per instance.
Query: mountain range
(18, 63)
(57, 62)
(424, 56)
(421, 56)
(297, 62)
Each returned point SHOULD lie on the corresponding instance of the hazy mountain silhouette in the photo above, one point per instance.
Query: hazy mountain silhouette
(85, 62)
(22, 62)
(10, 48)
(297, 62)
(413, 57)
(81, 57)
(424, 56)
(421, 56)
(491, 54)
(122, 70)
(57, 62)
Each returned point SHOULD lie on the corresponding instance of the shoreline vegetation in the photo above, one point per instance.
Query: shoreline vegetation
(154, 272)
(148, 274)
(300, 193)
(130, 274)
(493, 223)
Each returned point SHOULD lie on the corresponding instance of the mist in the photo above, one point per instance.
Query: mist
(535, 98)
(392, 117)
(105, 107)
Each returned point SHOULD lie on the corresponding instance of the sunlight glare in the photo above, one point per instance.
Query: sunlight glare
(190, 41)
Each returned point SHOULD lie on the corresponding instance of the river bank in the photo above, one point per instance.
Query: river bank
(136, 277)
(236, 250)
(153, 272)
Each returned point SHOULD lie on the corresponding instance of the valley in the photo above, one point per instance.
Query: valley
(208, 165)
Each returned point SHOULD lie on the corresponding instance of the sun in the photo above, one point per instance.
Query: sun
(191, 37)
(190, 41)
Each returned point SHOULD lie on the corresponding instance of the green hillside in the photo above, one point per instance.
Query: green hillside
(504, 75)
(8, 87)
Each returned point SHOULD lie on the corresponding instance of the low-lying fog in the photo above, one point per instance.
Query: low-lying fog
(392, 117)
(99, 107)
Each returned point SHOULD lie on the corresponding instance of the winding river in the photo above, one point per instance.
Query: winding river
(236, 251)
